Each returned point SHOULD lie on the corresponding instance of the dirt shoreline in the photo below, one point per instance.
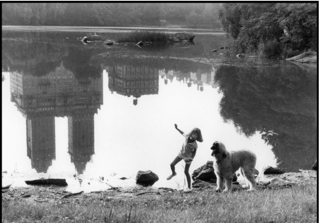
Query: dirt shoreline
(51, 193)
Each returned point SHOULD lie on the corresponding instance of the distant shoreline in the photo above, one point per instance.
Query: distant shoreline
(102, 29)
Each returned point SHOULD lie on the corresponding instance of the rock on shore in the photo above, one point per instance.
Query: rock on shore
(306, 57)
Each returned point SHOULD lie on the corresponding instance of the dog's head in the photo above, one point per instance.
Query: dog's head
(218, 151)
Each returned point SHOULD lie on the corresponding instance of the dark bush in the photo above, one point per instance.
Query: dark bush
(290, 53)
(272, 49)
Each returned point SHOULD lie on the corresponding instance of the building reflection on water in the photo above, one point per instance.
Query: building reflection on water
(198, 78)
(74, 89)
(57, 94)
(133, 81)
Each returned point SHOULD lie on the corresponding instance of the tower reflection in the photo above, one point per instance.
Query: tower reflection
(130, 80)
(41, 142)
(57, 94)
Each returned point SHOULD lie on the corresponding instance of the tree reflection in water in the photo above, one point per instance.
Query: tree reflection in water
(278, 101)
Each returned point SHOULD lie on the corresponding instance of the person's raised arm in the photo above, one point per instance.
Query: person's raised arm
(176, 126)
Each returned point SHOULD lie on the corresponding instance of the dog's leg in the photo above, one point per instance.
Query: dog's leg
(249, 177)
(245, 178)
(219, 183)
(228, 183)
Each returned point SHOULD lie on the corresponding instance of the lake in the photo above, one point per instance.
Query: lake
(97, 111)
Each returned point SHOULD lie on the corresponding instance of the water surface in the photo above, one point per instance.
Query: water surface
(95, 111)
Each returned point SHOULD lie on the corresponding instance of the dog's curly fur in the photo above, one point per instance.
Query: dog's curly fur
(227, 163)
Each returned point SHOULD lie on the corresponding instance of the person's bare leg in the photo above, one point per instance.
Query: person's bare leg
(172, 165)
(186, 172)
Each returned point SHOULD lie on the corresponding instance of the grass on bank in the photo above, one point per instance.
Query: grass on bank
(297, 204)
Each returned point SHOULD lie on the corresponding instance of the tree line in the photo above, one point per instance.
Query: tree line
(204, 15)
(272, 29)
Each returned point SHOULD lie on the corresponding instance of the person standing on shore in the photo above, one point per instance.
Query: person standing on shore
(187, 153)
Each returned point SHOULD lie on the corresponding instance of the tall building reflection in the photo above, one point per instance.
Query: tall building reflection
(133, 81)
(199, 77)
(57, 94)
(81, 139)
(41, 142)
(136, 77)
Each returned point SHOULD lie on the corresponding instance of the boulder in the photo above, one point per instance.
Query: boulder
(306, 57)
(91, 38)
(180, 37)
(202, 184)
(140, 43)
(109, 42)
(6, 186)
(143, 43)
(57, 182)
(205, 173)
(272, 170)
(220, 48)
(146, 178)
(240, 55)
(315, 165)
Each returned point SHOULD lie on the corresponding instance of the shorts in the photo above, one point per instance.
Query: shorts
(188, 160)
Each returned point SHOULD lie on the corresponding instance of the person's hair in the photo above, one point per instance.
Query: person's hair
(198, 132)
